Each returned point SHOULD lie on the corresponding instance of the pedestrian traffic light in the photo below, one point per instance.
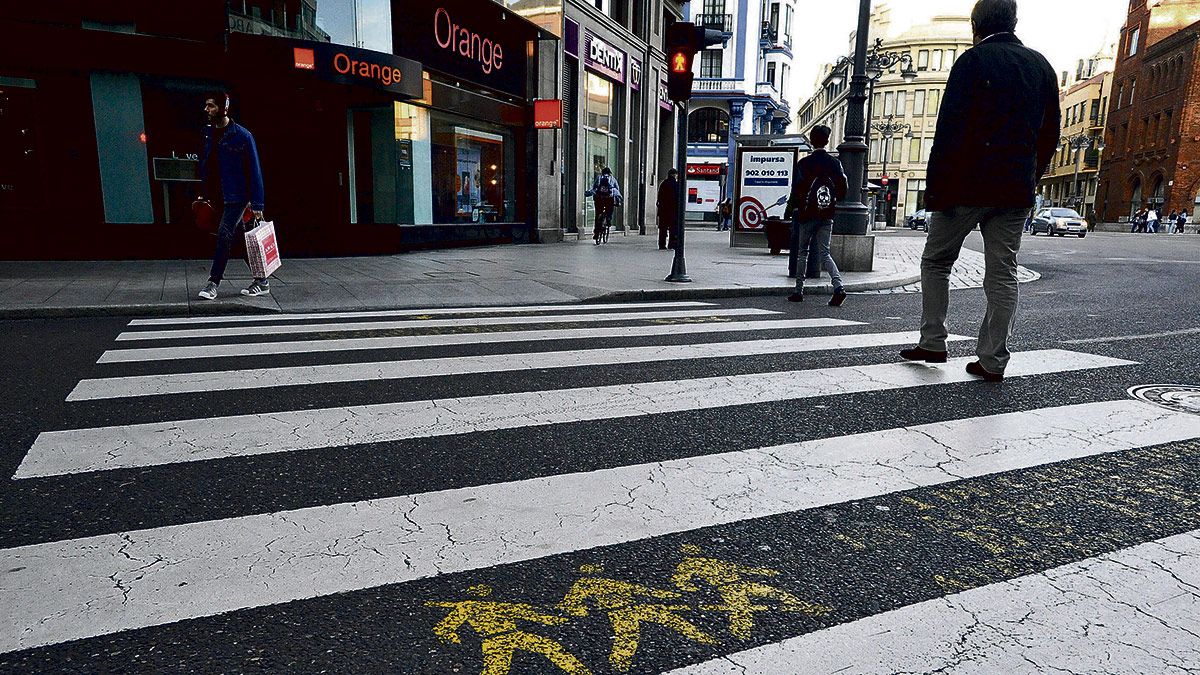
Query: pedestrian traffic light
(684, 39)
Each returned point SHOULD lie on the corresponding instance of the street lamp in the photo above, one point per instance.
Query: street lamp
(1078, 143)
(887, 130)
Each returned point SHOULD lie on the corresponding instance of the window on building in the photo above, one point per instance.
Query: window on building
(936, 64)
(1120, 95)
(774, 18)
(714, 6)
(1168, 130)
(1134, 38)
(784, 76)
(877, 105)
(708, 125)
(889, 104)
(914, 151)
(935, 98)
(951, 54)
(914, 196)
(710, 63)
(926, 149)
(358, 23)
(919, 103)
(923, 60)
(901, 103)
(771, 72)
(1132, 90)
(874, 154)
(787, 22)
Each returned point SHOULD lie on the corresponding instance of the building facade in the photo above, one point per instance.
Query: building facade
(615, 111)
(1072, 180)
(931, 50)
(741, 88)
(1152, 139)
(409, 128)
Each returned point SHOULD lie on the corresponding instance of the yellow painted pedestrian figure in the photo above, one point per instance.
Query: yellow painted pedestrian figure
(619, 599)
(737, 593)
(496, 623)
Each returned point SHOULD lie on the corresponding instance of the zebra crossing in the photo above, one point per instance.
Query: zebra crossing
(573, 414)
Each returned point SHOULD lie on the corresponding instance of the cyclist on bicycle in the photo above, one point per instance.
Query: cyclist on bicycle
(606, 194)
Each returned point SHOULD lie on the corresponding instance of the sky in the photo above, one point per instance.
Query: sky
(1063, 30)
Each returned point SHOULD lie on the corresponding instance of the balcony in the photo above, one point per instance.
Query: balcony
(770, 35)
(721, 22)
(717, 84)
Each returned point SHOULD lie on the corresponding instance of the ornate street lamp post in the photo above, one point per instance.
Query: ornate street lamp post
(1078, 143)
(887, 130)
(868, 67)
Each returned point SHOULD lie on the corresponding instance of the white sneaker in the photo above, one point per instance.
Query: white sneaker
(256, 289)
(209, 292)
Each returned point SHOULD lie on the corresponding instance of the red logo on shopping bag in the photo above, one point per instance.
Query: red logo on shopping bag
(270, 251)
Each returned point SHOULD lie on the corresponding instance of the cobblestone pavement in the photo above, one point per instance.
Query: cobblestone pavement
(967, 272)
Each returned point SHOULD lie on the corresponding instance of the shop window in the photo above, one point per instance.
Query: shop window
(599, 104)
(474, 168)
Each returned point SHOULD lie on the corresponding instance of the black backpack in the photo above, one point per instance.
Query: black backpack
(604, 187)
(821, 200)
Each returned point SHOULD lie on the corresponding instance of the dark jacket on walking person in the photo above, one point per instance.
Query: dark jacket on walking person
(232, 181)
(818, 184)
(997, 131)
(668, 208)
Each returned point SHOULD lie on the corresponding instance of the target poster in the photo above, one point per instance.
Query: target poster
(764, 186)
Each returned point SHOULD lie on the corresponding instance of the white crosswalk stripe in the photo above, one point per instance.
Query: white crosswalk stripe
(431, 311)
(226, 380)
(277, 557)
(121, 447)
(54, 592)
(597, 333)
(344, 327)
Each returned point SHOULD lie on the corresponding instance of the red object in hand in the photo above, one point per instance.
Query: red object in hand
(205, 215)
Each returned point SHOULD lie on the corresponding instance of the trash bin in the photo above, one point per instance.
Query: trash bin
(779, 234)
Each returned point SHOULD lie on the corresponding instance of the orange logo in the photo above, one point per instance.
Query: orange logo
(304, 58)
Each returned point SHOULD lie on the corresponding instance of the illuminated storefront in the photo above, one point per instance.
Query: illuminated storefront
(411, 127)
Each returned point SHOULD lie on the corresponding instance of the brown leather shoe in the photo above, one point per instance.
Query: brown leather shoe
(919, 354)
(977, 369)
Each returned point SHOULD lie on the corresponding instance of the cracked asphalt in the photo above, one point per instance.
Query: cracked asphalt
(931, 555)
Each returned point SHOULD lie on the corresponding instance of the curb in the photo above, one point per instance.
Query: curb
(235, 308)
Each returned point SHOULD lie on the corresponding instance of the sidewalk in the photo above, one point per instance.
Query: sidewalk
(628, 267)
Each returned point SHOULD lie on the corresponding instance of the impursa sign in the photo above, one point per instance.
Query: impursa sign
(479, 42)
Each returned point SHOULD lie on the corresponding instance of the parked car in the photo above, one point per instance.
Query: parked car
(1059, 221)
(918, 221)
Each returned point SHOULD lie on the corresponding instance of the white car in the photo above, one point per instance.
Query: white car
(1059, 221)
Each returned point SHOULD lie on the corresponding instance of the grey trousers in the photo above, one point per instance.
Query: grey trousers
(1001, 241)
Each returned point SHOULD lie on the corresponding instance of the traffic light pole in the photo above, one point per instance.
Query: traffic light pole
(679, 267)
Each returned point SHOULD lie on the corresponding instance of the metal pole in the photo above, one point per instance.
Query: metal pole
(853, 217)
(678, 267)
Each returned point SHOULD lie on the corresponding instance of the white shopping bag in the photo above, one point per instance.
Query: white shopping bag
(262, 250)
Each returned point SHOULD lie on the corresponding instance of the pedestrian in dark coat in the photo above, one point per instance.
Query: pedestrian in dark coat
(668, 208)
(997, 131)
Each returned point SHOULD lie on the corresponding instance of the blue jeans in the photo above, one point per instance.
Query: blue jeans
(231, 227)
(816, 234)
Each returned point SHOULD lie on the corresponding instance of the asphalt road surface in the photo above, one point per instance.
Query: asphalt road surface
(725, 486)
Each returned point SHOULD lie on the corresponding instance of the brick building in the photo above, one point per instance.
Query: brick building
(1152, 156)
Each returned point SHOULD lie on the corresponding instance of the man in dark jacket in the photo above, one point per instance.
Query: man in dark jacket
(997, 132)
(668, 208)
(231, 181)
(812, 224)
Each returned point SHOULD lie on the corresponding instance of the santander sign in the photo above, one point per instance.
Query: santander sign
(466, 42)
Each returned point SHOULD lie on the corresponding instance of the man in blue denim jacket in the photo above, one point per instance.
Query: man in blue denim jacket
(231, 181)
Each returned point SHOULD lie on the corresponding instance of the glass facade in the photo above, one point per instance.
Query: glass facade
(366, 24)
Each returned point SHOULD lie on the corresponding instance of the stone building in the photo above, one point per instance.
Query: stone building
(1152, 155)
(1084, 104)
(932, 49)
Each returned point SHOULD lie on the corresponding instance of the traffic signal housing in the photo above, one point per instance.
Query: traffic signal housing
(684, 39)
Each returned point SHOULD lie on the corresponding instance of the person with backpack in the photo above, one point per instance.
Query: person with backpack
(818, 184)
(606, 195)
